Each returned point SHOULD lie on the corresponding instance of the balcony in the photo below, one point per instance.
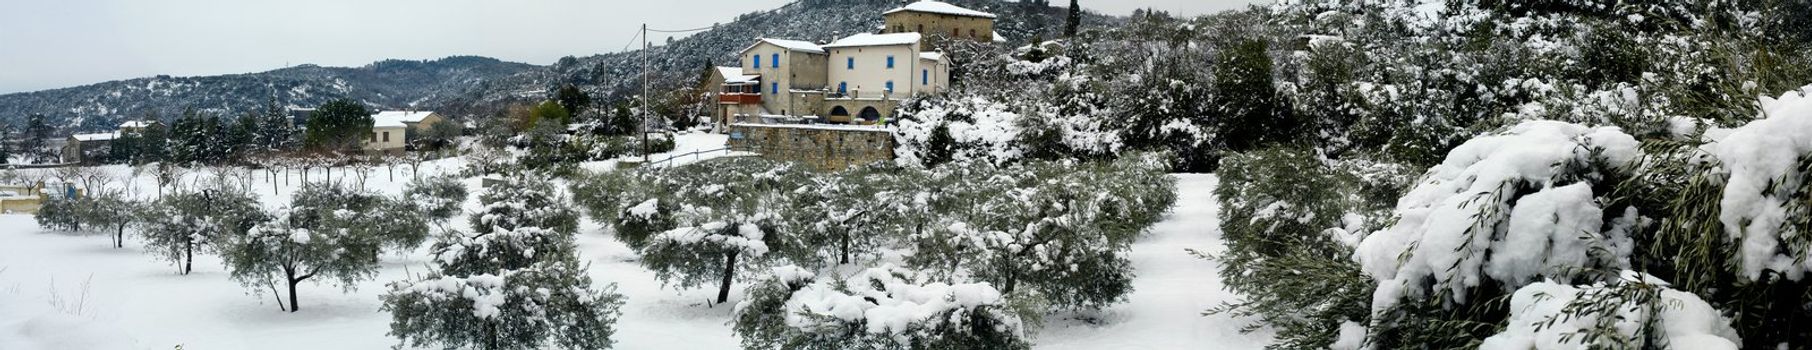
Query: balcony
(734, 98)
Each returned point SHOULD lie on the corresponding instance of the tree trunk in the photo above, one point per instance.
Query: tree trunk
(292, 295)
(188, 256)
(119, 237)
(845, 248)
(723, 291)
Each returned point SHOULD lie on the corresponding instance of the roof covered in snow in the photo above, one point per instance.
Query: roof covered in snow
(794, 45)
(105, 136)
(939, 7)
(932, 56)
(733, 75)
(137, 124)
(866, 39)
(398, 118)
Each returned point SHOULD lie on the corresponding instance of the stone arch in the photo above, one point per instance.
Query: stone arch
(839, 111)
(871, 114)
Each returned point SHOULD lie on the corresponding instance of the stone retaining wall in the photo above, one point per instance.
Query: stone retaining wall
(822, 147)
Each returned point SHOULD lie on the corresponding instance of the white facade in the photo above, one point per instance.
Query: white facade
(883, 65)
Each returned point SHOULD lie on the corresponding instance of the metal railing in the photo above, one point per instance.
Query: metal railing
(697, 156)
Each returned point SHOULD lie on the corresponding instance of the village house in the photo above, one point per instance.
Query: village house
(86, 148)
(390, 129)
(859, 79)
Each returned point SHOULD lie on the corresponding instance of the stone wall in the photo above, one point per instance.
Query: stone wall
(936, 27)
(821, 147)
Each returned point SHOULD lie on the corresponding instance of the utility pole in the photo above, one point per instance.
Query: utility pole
(645, 109)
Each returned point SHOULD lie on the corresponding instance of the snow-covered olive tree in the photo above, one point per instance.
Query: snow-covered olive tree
(395, 223)
(877, 308)
(510, 284)
(727, 222)
(300, 244)
(181, 224)
(438, 198)
(63, 214)
(112, 211)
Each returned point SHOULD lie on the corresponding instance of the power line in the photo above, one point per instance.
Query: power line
(682, 30)
(638, 34)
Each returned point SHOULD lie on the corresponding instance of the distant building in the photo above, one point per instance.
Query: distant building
(859, 79)
(939, 21)
(89, 148)
(390, 129)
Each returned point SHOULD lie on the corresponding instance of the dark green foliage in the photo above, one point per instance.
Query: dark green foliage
(573, 100)
(1252, 112)
(303, 244)
(1278, 206)
(338, 125)
(762, 320)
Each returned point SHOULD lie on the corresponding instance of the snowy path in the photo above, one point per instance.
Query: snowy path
(135, 301)
(1170, 291)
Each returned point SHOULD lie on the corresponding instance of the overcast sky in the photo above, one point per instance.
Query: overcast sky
(60, 43)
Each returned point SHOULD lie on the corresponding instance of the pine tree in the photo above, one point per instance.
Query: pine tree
(37, 136)
(338, 125)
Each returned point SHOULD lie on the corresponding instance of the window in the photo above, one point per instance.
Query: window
(776, 63)
(843, 87)
(972, 34)
(921, 28)
(925, 77)
(386, 136)
(954, 33)
(774, 88)
(757, 61)
(889, 86)
(889, 61)
(852, 63)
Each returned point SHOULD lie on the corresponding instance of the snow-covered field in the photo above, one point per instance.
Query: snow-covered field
(65, 291)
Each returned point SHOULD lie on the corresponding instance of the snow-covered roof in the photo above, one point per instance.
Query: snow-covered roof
(941, 8)
(866, 39)
(733, 75)
(105, 136)
(137, 124)
(795, 45)
(398, 118)
(932, 56)
(999, 38)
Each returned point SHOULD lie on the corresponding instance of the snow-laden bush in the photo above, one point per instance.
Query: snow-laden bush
(524, 201)
(62, 214)
(726, 218)
(548, 305)
(291, 248)
(1764, 203)
(958, 129)
(1502, 211)
(1635, 311)
(394, 223)
(876, 308)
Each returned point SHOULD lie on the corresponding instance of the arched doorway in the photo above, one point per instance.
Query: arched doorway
(870, 114)
(839, 111)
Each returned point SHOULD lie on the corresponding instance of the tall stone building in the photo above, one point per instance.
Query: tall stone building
(938, 21)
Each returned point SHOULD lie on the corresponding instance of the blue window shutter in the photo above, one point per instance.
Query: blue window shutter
(852, 63)
(775, 87)
(843, 87)
(776, 60)
(925, 77)
(757, 61)
(889, 62)
(889, 85)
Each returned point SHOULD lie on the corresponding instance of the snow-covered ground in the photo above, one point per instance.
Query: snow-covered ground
(65, 291)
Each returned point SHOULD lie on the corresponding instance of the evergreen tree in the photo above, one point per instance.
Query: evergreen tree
(794, 309)
(730, 227)
(438, 198)
(338, 125)
(575, 101)
(551, 113)
(1074, 20)
(1252, 114)
(35, 144)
